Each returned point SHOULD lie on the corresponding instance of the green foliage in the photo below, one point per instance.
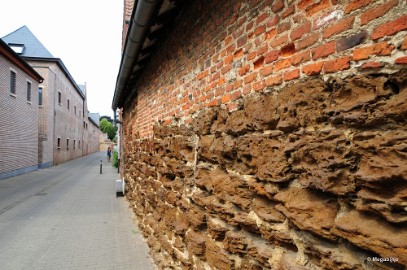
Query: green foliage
(108, 118)
(104, 125)
(111, 132)
(115, 161)
(107, 127)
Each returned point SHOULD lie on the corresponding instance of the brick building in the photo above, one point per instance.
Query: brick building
(267, 134)
(19, 114)
(64, 130)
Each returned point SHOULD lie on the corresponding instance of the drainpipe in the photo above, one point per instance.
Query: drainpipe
(54, 114)
(138, 29)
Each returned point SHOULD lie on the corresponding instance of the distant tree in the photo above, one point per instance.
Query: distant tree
(108, 118)
(104, 125)
(111, 132)
(108, 128)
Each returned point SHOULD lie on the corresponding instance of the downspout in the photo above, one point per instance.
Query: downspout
(139, 26)
(54, 147)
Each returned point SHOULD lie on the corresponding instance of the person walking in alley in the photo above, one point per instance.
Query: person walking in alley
(109, 154)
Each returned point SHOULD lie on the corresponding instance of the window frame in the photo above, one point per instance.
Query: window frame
(29, 91)
(40, 96)
(13, 82)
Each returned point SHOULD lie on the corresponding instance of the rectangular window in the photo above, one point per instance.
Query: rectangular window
(28, 91)
(67, 104)
(12, 82)
(67, 143)
(40, 96)
(74, 144)
(74, 110)
(59, 143)
(59, 98)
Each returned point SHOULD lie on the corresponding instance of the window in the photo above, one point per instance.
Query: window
(74, 110)
(40, 96)
(79, 144)
(12, 82)
(17, 48)
(67, 143)
(67, 104)
(28, 91)
(59, 98)
(74, 144)
(59, 143)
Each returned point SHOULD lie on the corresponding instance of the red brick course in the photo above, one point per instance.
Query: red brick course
(268, 44)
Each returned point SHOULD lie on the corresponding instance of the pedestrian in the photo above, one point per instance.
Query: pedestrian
(109, 154)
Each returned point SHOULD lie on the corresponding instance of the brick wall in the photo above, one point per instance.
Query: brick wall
(57, 121)
(68, 125)
(237, 48)
(18, 123)
(46, 118)
(273, 136)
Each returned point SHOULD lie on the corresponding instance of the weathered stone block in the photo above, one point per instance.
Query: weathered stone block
(263, 156)
(203, 122)
(261, 112)
(218, 228)
(181, 224)
(235, 242)
(266, 211)
(301, 105)
(217, 149)
(367, 102)
(196, 243)
(232, 188)
(383, 155)
(216, 257)
(308, 210)
(197, 217)
(372, 233)
(325, 160)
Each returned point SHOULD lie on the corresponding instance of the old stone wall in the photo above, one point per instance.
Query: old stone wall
(312, 176)
(221, 51)
(272, 135)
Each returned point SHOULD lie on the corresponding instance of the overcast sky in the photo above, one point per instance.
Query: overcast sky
(85, 34)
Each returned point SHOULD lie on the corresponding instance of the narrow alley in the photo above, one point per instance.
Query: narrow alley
(68, 217)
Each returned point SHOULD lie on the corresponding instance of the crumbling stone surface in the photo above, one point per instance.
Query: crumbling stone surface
(313, 176)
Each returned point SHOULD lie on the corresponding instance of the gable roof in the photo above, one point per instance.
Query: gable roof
(32, 46)
(94, 118)
(8, 53)
(33, 50)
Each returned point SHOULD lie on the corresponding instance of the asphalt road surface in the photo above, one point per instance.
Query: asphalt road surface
(68, 217)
